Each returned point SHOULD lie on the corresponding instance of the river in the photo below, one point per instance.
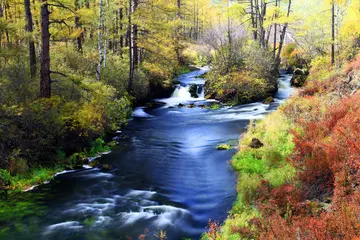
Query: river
(166, 175)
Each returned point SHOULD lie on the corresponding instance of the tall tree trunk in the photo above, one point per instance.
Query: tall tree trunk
(6, 14)
(134, 55)
(121, 16)
(100, 39)
(131, 46)
(253, 19)
(29, 27)
(78, 26)
(45, 81)
(282, 37)
(261, 12)
(275, 32)
(333, 32)
(177, 33)
(1, 15)
(229, 32)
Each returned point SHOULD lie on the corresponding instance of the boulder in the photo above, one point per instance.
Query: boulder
(227, 95)
(256, 143)
(155, 104)
(269, 100)
(105, 167)
(223, 147)
(193, 90)
(299, 77)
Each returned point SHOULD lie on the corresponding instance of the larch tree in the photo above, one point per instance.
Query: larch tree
(45, 80)
(29, 27)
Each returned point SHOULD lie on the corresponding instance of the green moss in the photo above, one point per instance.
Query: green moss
(224, 146)
(35, 176)
(89, 221)
(214, 106)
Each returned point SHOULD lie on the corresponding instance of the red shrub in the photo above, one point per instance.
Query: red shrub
(353, 65)
(327, 157)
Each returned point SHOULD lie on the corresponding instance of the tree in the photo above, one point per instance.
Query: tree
(100, 40)
(45, 81)
(29, 27)
(78, 28)
(282, 37)
(133, 49)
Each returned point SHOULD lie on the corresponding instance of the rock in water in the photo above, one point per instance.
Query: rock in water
(193, 90)
(299, 77)
(269, 100)
(256, 143)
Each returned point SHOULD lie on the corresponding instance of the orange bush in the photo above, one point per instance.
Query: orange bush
(327, 205)
(353, 65)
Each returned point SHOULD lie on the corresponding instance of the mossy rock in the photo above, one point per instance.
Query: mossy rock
(155, 104)
(193, 91)
(299, 77)
(224, 146)
(214, 106)
(269, 100)
(94, 163)
(256, 143)
(106, 167)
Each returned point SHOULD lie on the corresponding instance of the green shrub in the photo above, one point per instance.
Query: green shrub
(246, 162)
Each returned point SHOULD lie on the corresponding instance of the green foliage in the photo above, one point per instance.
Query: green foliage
(237, 87)
(246, 162)
(292, 57)
(214, 106)
(34, 176)
(267, 163)
(249, 78)
(201, 60)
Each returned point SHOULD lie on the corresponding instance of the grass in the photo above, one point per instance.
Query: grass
(267, 163)
(35, 176)
(39, 175)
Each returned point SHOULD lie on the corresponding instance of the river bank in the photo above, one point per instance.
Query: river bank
(159, 150)
(291, 184)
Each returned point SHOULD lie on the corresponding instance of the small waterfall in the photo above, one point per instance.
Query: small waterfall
(285, 89)
(200, 91)
(182, 93)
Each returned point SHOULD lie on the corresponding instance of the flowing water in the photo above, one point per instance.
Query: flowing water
(167, 174)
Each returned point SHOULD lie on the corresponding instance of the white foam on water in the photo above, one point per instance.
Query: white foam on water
(140, 193)
(93, 208)
(140, 113)
(244, 112)
(63, 172)
(102, 220)
(182, 93)
(132, 217)
(30, 188)
(72, 225)
(89, 174)
(87, 166)
(163, 215)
